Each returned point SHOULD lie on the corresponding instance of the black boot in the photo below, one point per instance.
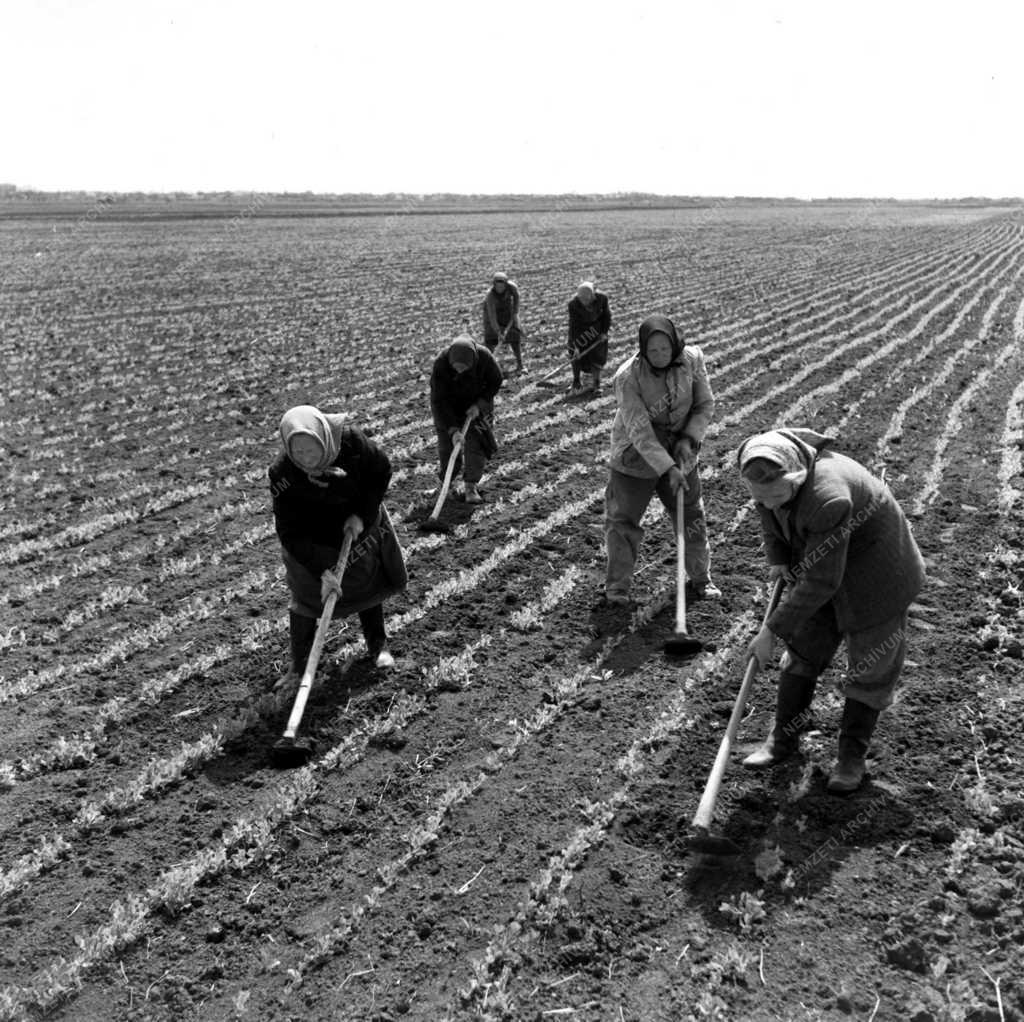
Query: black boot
(794, 700)
(302, 631)
(855, 731)
(372, 622)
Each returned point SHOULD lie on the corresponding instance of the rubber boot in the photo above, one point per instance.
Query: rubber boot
(855, 731)
(792, 703)
(301, 632)
(372, 622)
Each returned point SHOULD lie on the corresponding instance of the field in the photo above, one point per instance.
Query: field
(496, 829)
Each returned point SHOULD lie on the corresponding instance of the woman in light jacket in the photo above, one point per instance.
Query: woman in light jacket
(665, 407)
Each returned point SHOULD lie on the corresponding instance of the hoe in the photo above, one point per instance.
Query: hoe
(701, 838)
(289, 751)
(433, 523)
(681, 644)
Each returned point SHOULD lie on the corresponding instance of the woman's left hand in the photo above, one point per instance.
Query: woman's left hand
(353, 525)
(762, 646)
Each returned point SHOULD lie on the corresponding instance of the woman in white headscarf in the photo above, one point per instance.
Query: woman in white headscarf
(839, 537)
(329, 481)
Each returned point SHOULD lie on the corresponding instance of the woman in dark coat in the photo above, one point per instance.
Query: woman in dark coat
(837, 535)
(463, 382)
(330, 481)
(590, 319)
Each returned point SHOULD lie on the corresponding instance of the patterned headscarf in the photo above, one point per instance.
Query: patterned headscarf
(305, 420)
(778, 448)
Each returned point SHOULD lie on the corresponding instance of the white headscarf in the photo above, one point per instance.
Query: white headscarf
(305, 420)
(779, 449)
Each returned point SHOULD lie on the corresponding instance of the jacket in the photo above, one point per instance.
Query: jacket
(452, 393)
(656, 410)
(588, 322)
(308, 517)
(500, 311)
(847, 540)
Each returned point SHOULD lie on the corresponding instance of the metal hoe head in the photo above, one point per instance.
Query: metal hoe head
(682, 644)
(291, 752)
(434, 525)
(702, 840)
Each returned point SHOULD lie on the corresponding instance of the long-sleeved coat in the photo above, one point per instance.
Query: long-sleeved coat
(500, 311)
(452, 393)
(656, 409)
(847, 540)
(310, 519)
(587, 324)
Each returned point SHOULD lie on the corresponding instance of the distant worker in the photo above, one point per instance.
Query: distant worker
(835, 532)
(330, 482)
(665, 407)
(463, 383)
(589, 322)
(501, 317)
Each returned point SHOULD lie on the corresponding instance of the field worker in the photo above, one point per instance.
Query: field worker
(837, 535)
(589, 322)
(463, 383)
(501, 317)
(330, 481)
(665, 407)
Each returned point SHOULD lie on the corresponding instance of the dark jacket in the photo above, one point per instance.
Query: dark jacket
(310, 518)
(588, 322)
(847, 540)
(452, 393)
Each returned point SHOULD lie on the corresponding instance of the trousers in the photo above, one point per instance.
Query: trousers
(625, 500)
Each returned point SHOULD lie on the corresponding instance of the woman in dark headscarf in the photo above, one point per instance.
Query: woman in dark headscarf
(665, 408)
(589, 322)
(463, 382)
(837, 534)
(330, 481)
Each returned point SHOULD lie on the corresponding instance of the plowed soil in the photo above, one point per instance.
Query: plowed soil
(506, 834)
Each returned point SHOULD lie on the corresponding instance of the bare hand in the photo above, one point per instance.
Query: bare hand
(676, 479)
(473, 412)
(762, 646)
(329, 583)
(353, 525)
(780, 571)
(685, 454)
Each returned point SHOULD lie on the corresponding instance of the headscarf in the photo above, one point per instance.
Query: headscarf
(585, 292)
(305, 420)
(660, 325)
(782, 449)
(463, 351)
(499, 277)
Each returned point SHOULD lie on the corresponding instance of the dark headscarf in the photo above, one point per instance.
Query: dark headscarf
(463, 351)
(660, 325)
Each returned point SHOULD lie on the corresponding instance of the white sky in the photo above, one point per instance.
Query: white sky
(718, 97)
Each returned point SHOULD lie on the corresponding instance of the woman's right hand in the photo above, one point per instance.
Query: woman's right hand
(329, 583)
(776, 571)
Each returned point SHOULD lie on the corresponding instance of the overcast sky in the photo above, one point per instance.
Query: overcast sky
(748, 97)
